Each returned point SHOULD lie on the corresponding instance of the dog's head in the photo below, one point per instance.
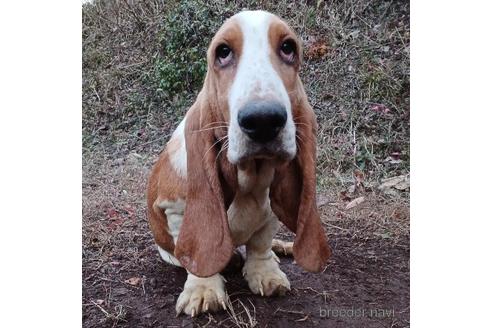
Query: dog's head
(253, 104)
(253, 63)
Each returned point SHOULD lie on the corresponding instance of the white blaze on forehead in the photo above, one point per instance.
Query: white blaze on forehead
(256, 79)
(255, 75)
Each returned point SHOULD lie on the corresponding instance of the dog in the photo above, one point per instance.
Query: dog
(242, 159)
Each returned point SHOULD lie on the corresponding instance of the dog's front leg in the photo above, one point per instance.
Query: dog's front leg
(261, 270)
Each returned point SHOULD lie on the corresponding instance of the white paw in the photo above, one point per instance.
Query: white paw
(264, 276)
(202, 295)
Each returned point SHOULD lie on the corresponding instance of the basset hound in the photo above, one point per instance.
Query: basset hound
(242, 158)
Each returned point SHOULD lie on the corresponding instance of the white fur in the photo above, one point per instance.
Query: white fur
(179, 158)
(202, 295)
(250, 209)
(253, 223)
(256, 76)
(174, 211)
(263, 274)
(167, 257)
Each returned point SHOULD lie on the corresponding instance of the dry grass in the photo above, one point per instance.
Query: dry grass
(359, 88)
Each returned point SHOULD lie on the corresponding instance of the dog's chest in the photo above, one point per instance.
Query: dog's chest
(250, 209)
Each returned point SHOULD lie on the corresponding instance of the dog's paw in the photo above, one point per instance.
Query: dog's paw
(264, 276)
(202, 295)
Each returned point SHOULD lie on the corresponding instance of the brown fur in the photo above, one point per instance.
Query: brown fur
(278, 32)
(204, 244)
(293, 193)
(164, 184)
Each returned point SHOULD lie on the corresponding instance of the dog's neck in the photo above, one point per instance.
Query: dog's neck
(255, 176)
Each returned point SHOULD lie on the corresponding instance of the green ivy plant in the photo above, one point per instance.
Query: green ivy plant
(188, 28)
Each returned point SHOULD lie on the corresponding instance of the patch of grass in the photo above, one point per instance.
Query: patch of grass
(182, 64)
(144, 62)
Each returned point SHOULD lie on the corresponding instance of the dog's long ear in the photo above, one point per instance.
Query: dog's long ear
(293, 193)
(204, 243)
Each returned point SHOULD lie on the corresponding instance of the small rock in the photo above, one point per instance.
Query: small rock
(355, 203)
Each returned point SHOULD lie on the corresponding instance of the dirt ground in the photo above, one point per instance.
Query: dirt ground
(126, 284)
(356, 74)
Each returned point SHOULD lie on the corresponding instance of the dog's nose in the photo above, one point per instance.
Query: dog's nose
(262, 120)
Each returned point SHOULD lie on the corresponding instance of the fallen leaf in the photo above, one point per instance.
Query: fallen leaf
(315, 48)
(384, 235)
(391, 160)
(390, 192)
(399, 214)
(112, 213)
(380, 108)
(405, 184)
(396, 155)
(133, 281)
(359, 177)
(400, 182)
(355, 203)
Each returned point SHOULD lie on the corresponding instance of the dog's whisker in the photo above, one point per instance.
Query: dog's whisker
(218, 154)
(301, 141)
(225, 146)
(216, 122)
(299, 132)
(219, 140)
(298, 117)
(215, 127)
(301, 123)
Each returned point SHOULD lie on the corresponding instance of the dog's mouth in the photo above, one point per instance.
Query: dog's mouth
(243, 148)
(263, 153)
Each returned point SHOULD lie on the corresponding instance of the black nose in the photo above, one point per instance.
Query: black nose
(262, 120)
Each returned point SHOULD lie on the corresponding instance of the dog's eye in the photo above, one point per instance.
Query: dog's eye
(223, 51)
(223, 54)
(288, 50)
